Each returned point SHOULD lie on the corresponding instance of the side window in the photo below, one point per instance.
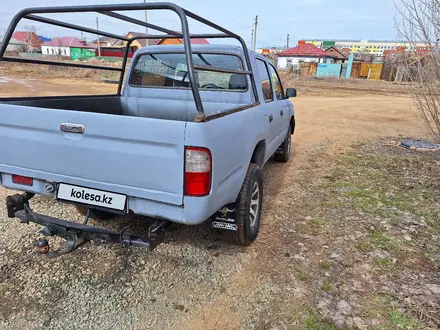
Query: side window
(276, 83)
(265, 81)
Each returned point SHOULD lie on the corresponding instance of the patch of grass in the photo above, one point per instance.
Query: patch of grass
(327, 286)
(315, 321)
(378, 307)
(378, 184)
(364, 247)
(383, 307)
(303, 275)
(385, 266)
(318, 222)
(381, 241)
(374, 202)
(324, 264)
(401, 321)
(332, 204)
(336, 184)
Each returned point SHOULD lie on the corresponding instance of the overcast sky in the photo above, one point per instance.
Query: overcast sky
(339, 19)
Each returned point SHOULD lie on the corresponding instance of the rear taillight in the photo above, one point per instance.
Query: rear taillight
(18, 179)
(198, 171)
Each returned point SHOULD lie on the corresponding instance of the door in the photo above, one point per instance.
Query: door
(269, 107)
(284, 107)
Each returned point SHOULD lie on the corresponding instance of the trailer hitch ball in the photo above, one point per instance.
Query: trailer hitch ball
(43, 245)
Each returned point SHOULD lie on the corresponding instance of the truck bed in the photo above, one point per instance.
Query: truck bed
(157, 108)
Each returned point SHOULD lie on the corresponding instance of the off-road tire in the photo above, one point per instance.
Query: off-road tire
(95, 214)
(246, 233)
(284, 154)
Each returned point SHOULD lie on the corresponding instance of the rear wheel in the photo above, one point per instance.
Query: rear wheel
(283, 152)
(96, 214)
(249, 203)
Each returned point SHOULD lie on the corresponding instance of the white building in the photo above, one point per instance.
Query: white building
(293, 57)
(62, 46)
(373, 47)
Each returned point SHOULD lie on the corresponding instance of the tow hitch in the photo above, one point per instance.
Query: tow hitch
(77, 234)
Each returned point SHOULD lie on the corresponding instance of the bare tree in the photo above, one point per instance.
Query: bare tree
(29, 40)
(59, 49)
(418, 21)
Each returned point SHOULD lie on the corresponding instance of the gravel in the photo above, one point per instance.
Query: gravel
(109, 285)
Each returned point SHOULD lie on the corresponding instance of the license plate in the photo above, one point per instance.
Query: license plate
(106, 199)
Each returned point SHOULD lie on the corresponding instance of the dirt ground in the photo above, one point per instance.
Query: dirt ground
(344, 243)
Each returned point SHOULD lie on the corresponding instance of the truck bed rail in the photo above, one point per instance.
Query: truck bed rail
(108, 10)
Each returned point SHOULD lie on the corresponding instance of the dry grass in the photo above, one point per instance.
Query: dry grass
(56, 72)
(341, 86)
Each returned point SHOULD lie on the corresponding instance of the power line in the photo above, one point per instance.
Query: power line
(146, 20)
(255, 33)
(99, 38)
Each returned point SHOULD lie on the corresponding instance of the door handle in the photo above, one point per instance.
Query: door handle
(270, 118)
(72, 128)
(281, 112)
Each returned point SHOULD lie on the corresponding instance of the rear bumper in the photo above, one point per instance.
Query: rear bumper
(77, 234)
(194, 210)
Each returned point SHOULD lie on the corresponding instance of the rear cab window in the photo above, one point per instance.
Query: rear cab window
(265, 80)
(169, 70)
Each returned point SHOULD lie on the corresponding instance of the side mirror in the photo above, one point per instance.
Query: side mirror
(290, 92)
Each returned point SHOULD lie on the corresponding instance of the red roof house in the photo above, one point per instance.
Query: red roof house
(293, 57)
(337, 54)
(67, 46)
(71, 42)
(304, 50)
(29, 38)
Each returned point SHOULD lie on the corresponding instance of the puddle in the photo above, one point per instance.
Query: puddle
(415, 144)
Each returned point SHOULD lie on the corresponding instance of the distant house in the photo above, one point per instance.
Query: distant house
(68, 46)
(138, 43)
(339, 56)
(44, 39)
(179, 41)
(30, 39)
(105, 41)
(293, 57)
(14, 45)
(141, 42)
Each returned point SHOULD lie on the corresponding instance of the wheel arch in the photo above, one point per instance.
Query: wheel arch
(292, 125)
(259, 153)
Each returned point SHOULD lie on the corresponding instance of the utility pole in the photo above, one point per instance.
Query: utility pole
(99, 38)
(255, 33)
(252, 40)
(146, 19)
(288, 39)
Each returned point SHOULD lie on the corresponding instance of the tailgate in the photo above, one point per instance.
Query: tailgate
(140, 157)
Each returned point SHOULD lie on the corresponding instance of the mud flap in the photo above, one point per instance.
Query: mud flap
(225, 218)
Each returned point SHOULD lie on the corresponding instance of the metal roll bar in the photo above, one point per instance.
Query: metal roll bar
(108, 10)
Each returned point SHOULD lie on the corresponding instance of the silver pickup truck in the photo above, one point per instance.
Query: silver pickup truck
(184, 140)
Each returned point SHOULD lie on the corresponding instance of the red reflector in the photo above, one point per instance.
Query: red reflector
(197, 184)
(198, 171)
(18, 179)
